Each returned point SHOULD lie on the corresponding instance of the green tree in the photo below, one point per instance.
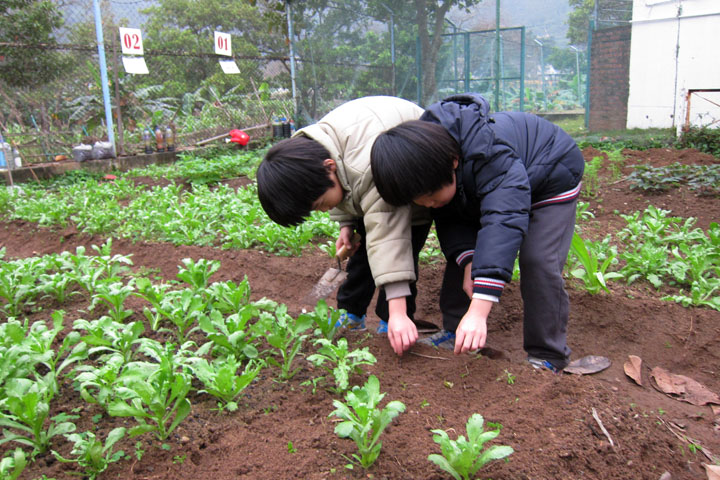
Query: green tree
(27, 42)
(607, 13)
(579, 20)
(182, 30)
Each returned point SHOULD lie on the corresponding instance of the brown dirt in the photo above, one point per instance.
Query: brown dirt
(546, 418)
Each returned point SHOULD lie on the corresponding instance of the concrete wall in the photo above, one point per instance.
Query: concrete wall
(675, 49)
(609, 62)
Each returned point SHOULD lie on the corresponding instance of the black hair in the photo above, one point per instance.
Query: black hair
(412, 159)
(291, 177)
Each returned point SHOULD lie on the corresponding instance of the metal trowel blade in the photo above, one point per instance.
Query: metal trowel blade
(327, 284)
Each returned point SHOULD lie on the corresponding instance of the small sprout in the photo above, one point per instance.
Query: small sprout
(448, 384)
(291, 448)
(424, 403)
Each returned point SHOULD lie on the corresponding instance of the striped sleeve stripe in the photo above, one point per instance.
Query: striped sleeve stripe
(488, 286)
(463, 256)
(489, 283)
(563, 197)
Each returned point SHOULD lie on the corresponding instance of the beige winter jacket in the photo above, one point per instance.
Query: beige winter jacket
(348, 133)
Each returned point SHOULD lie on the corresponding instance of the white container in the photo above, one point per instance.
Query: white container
(102, 150)
(16, 158)
(82, 152)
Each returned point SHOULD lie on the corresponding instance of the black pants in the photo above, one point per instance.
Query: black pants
(356, 292)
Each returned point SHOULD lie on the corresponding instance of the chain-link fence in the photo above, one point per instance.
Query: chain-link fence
(291, 60)
(54, 85)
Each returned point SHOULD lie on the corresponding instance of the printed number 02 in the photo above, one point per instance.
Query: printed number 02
(131, 41)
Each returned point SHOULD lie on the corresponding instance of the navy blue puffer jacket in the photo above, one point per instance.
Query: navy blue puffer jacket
(511, 162)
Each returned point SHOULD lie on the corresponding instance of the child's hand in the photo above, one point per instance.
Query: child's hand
(402, 331)
(471, 333)
(347, 242)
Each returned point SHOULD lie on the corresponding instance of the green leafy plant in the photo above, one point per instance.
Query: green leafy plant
(363, 421)
(591, 269)
(197, 274)
(463, 458)
(13, 464)
(97, 383)
(221, 380)
(338, 360)
(285, 336)
(325, 319)
(106, 336)
(155, 394)
(90, 452)
(591, 182)
(114, 295)
(231, 335)
(25, 411)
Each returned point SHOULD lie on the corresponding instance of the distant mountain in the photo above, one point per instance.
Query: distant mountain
(542, 18)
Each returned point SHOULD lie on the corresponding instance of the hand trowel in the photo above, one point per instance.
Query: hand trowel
(332, 278)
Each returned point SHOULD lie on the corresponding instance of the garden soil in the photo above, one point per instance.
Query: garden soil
(601, 426)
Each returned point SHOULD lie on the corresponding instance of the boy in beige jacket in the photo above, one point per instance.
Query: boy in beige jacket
(326, 167)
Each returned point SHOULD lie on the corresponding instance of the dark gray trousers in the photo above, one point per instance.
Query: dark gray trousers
(546, 306)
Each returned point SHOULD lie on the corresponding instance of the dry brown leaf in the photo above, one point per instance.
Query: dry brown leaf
(682, 387)
(633, 368)
(713, 471)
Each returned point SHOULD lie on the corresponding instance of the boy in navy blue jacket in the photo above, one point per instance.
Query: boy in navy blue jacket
(500, 185)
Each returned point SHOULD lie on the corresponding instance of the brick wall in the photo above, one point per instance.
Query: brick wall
(609, 78)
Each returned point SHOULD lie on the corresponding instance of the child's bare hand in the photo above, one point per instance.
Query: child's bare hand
(402, 333)
(471, 333)
(347, 241)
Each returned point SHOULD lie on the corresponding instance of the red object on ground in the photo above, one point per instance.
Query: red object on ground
(239, 137)
(109, 177)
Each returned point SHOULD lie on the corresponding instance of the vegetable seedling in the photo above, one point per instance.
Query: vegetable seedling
(462, 458)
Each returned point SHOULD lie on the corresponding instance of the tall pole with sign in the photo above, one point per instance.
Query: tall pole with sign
(104, 77)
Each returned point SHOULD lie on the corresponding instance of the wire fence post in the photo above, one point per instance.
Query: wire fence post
(104, 77)
(588, 59)
(291, 35)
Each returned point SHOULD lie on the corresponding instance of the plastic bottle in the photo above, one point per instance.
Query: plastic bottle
(16, 157)
(3, 163)
(159, 140)
(292, 127)
(169, 138)
(285, 128)
(276, 127)
(147, 140)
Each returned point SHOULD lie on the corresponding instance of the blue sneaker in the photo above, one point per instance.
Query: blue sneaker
(382, 327)
(539, 364)
(442, 339)
(351, 322)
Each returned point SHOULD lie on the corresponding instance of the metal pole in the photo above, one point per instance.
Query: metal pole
(291, 36)
(588, 59)
(542, 72)
(418, 65)
(392, 46)
(118, 110)
(455, 60)
(392, 51)
(104, 77)
(577, 72)
(522, 69)
(497, 55)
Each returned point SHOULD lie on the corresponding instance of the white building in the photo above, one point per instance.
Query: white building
(674, 64)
